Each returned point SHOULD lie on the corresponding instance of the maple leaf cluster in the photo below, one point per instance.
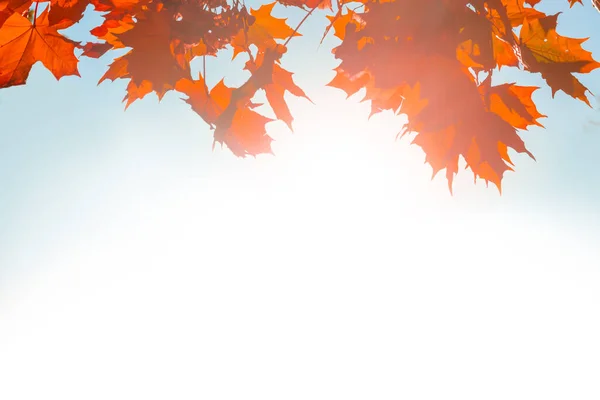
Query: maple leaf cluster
(425, 59)
(432, 60)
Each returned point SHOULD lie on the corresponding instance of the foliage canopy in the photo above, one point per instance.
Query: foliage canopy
(431, 60)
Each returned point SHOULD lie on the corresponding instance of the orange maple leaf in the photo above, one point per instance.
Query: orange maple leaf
(263, 31)
(23, 43)
(237, 126)
(517, 12)
(152, 64)
(112, 27)
(556, 57)
(228, 110)
(245, 133)
(350, 83)
(513, 104)
(10, 7)
(96, 50)
(277, 84)
(65, 13)
(208, 104)
(339, 22)
(307, 3)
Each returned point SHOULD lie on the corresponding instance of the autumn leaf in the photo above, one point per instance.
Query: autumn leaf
(517, 12)
(208, 104)
(556, 57)
(350, 83)
(281, 81)
(245, 134)
(152, 64)
(263, 31)
(307, 3)
(229, 110)
(267, 28)
(487, 37)
(339, 22)
(110, 28)
(22, 44)
(435, 89)
(10, 7)
(96, 50)
(66, 13)
(514, 104)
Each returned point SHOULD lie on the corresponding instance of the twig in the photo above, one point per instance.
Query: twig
(300, 24)
(204, 73)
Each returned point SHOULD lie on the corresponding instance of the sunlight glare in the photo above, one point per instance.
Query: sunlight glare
(326, 272)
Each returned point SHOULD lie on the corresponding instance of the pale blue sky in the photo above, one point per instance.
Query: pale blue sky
(129, 250)
(55, 134)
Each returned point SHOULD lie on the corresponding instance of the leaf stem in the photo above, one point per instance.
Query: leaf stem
(299, 25)
(37, 3)
(204, 73)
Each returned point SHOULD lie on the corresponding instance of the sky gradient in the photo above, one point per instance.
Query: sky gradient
(135, 262)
